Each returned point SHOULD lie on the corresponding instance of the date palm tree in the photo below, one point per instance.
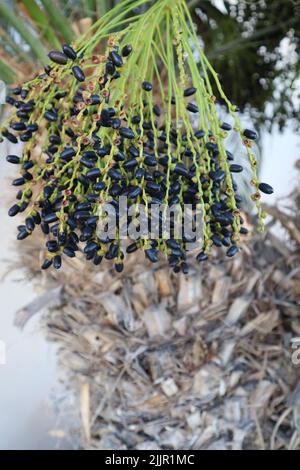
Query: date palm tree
(142, 347)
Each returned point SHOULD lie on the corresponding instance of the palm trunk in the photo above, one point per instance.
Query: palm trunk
(161, 361)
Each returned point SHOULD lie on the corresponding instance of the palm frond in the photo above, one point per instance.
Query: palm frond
(58, 19)
(7, 74)
(40, 21)
(14, 21)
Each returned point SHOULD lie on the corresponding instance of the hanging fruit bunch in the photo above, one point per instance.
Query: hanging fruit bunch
(101, 123)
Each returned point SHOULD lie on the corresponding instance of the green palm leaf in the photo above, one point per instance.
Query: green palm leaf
(40, 20)
(58, 19)
(16, 22)
(7, 74)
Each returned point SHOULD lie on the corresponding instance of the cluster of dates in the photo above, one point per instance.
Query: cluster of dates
(84, 144)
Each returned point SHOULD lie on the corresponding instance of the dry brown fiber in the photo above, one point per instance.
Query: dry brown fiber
(161, 361)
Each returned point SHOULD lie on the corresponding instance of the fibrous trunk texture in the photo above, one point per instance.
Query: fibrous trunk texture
(161, 361)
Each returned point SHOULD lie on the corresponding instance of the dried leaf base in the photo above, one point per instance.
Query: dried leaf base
(161, 361)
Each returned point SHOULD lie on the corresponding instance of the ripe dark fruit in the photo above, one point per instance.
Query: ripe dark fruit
(45, 228)
(156, 110)
(201, 257)
(134, 151)
(115, 174)
(119, 267)
(185, 268)
(147, 86)
(136, 120)
(116, 59)
(112, 252)
(14, 210)
(13, 159)
(30, 225)
(193, 108)
(87, 163)
(16, 91)
(180, 169)
(93, 174)
(69, 52)
(78, 73)
(232, 251)
(134, 193)
(11, 137)
(58, 57)
(32, 127)
(219, 175)
(91, 247)
(18, 126)
(50, 116)
(22, 235)
(199, 134)
(67, 153)
(130, 164)
(83, 206)
(110, 68)
(50, 218)
(18, 181)
(235, 168)
(52, 246)
(47, 69)
(151, 254)
(24, 93)
(265, 188)
(225, 242)
(97, 259)
(127, 133)
(216, 240)
(250, 134)
(226, 127)
(132, 248)
(57, 262)
(189, 91)
(116, 123)
(54, 139)
(229, 155)
(150, 160)
(126, 51)
(10, 100)
(99, 186)
(46, 264)
(25, 137)
(115, 190)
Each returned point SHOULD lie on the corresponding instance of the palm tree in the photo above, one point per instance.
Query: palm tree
(147, 350)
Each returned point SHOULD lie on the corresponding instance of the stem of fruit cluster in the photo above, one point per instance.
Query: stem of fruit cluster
(120, 122)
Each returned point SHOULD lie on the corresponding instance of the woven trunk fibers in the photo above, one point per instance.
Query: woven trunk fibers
(161, 361)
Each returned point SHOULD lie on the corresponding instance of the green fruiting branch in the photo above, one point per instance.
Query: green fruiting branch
(126, 110)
